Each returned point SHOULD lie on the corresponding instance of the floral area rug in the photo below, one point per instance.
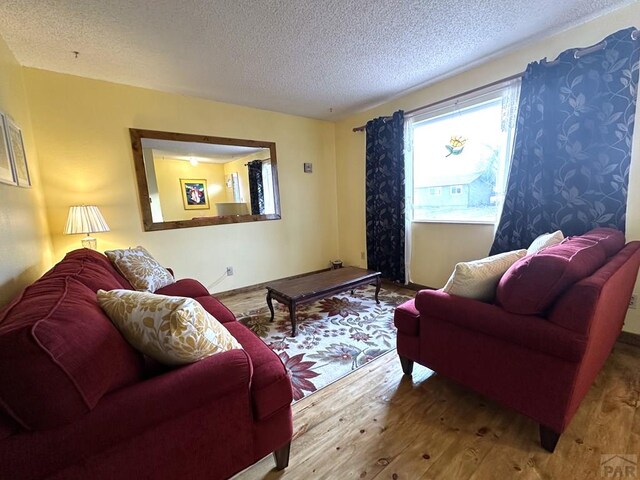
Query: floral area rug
(335, 336)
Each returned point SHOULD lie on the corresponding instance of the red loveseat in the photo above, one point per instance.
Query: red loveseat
(539, 347)
(77, 401)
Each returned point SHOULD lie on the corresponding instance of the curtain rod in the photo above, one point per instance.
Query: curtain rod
(452, 97)
(577, 54)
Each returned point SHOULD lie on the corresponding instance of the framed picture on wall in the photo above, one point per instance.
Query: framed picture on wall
(7, 170)
(194, 194)
(16, 146)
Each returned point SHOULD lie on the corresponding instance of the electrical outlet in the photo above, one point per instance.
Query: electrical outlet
(229, 271)
(633, 303)
(361, 255)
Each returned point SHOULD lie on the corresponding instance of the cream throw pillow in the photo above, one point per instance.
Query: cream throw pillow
(479, 279)
(171, 330)
(142, 271)
(545, 240)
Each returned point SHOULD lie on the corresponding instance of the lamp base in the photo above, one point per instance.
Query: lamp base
(90, 242)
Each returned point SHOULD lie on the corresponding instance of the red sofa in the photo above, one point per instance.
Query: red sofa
(77, 401)
(538, 348)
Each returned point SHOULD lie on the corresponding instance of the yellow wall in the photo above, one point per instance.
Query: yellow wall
(81, 129)
(169, 171)
(25, 247)
(438, 247)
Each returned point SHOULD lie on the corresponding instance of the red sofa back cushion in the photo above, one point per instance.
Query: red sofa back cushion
(610, 239)
(56, 343)
(534, 282)
(90, 268)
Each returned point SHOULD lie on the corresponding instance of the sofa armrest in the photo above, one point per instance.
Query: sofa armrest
(218, 385)
(529, 331)
(603, 295)
(185, 287)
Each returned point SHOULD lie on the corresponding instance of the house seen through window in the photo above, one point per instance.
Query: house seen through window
(461, 156)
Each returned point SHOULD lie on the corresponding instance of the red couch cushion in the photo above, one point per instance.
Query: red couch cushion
(8, 426)
(191, 423)
(216, 308)
(531, 285)
(534, 333)
(610, 239)
(56, 343)
(90, 268)
(185, 287)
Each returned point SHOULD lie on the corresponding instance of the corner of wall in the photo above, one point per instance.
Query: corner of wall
(25, 243)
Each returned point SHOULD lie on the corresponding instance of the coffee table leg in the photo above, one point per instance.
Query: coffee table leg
(270, 304)
(292, 315)
(378, 285)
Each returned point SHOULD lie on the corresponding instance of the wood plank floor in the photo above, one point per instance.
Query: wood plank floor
(378, 423)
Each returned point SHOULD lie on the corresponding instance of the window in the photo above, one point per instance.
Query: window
(461, 154)
(235, 185)
(267, 188)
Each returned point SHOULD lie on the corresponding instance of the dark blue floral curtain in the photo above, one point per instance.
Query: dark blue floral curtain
(256, 190)
(385, 196)
(570, 167)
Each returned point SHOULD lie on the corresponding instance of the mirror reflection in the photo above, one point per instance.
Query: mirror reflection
(187, 180)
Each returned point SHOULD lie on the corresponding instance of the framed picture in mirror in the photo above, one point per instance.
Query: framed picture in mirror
(7, 170)
(16, 146)
(194, 194)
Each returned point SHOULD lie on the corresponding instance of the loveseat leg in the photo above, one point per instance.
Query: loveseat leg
(407, 365)
(548, 438)
(281, 456)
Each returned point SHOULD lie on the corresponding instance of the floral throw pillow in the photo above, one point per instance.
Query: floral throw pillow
(142, 271)
(171, 330)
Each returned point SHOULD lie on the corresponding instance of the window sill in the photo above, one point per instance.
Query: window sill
(462, 222)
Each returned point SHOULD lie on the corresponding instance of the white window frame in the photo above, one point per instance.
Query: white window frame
(460, 103)
(455, 190)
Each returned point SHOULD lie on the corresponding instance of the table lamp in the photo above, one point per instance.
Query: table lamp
(86, 219)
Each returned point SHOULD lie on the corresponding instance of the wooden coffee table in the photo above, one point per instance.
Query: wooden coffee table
(313, 287)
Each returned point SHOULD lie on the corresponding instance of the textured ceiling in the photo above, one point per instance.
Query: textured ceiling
(200, 149)
(303, 57)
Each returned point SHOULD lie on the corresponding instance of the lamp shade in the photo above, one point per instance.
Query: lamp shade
(85, 219)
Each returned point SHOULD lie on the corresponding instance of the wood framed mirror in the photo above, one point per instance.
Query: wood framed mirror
(187, 180)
